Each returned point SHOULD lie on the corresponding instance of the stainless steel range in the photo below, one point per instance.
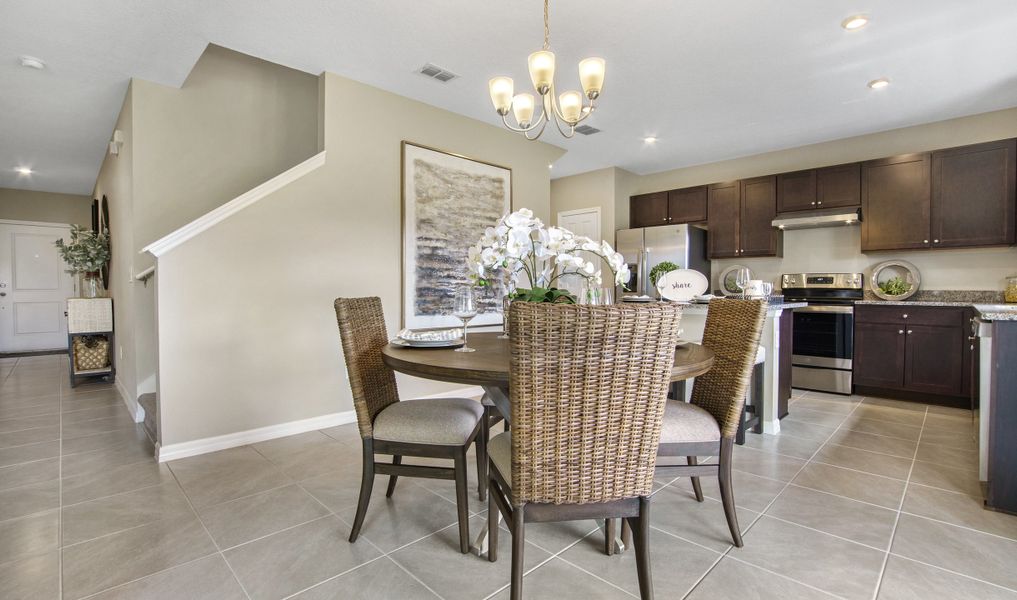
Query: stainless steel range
(823, 342)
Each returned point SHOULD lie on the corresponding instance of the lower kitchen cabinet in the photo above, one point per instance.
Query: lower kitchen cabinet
(913, 352)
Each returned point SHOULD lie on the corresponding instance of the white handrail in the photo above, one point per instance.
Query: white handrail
(211, 218)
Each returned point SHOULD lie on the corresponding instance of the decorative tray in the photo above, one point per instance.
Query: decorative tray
(429, 338)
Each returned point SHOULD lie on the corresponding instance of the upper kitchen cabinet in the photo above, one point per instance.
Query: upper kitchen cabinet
(973, 195)
(687, 205)
(723, 212)
(647, 210)
(759, 206)
(796, 191)
(895, 203)
(839, 186)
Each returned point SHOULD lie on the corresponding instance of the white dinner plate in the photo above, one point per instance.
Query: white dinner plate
(682, 285)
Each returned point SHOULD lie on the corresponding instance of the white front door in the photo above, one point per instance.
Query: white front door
(34, 288)
(586, 222)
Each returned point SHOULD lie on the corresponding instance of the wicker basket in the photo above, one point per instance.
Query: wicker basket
(91, 353)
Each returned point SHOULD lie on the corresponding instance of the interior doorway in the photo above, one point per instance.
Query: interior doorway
(585, 222)
(34, 287)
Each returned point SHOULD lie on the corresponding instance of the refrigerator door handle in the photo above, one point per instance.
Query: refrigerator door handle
(639, 274)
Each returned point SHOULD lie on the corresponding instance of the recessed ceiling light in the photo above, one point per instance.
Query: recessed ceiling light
(855, 22)
(650, 139)
(878, 84)
(550, 166)
(23, 170)
(32, 62)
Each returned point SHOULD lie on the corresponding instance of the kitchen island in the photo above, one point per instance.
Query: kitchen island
(997, 415)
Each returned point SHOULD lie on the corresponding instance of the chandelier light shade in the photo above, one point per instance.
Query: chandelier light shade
(566, 110)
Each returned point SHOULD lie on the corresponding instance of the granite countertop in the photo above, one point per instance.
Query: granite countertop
(996, 312)
(940, 298)
(916, 302)
(702, 308)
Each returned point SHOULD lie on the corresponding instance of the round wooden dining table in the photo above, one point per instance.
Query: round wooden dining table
(488, 367)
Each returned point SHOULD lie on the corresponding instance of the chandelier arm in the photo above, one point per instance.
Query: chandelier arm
(531, 127)
(539, 133)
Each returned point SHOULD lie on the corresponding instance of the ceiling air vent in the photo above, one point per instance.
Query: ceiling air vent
(587, 130)
(438, 73)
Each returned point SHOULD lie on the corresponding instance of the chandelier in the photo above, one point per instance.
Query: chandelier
(568, 108)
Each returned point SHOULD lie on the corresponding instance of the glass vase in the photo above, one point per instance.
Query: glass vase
(91, 285)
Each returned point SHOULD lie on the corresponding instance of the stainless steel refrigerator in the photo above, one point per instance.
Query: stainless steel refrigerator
(647, 247)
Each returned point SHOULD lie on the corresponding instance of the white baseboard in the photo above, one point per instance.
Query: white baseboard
(242, 438)
(137, 412)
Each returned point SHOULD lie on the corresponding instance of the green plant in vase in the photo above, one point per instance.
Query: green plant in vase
(85, 253)
(662, 268)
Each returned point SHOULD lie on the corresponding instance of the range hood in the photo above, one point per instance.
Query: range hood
(828, 217)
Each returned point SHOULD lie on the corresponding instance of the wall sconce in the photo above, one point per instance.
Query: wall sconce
(116, 143)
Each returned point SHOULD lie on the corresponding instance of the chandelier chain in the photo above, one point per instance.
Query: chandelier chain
(547, 28)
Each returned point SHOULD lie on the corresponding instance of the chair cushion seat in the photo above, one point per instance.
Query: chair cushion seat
(499, 450)
(686, 422)
(442, 421)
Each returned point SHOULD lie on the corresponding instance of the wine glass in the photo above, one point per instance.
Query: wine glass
(464, 307)
(742, 277)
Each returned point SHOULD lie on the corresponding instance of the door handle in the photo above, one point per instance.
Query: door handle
(910, 332)
(3, 294)
(901, 332)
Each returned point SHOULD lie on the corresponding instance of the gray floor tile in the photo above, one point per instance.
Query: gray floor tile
(102, 563)
(97, 462)
(842, 568)
(238, 521)
(35, 578)
(410, 514)
(830, 405)
(871, 423)
(97, 400)
(958, 509)
(347, 434)
(787, 445)
(750, 491)
(104, 516)
(29, 411)
(29, 453)
(766, 464)
(947, 456)
(377, 580)
(875, 443)
(862, 523)
(29, 536)
(29, 499)
(307, 455)
(340, 489)
(735, 579)
(29, 436)
(954, 422)
(676, 511)
(979, 555)
(82, 428)
(892, 414)
(436, 561)
(555, 537)
(29, 473)
(863, 460)
(852, 484)
(226, 475)
(115, 481)
(901, 405)
(293, 560)
(814, 417)
(908, 580)
(109, 440)
(9, 425)
(562, 581)
(967, 440)
(804, 429)
(207, 578)
(78, 415)
(676, 565)
(948, 478)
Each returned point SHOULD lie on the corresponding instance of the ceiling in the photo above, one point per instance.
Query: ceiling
(711, 80)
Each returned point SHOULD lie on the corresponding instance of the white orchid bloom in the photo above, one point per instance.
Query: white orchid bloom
(588, 244)
(597, 279)
(518, 243)
(589, 268)
(521, 218)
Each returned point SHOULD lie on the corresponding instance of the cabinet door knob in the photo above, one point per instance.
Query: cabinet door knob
(820, 202)
(905, 315)
(910, 332)
(901, 332)
(935, 241)
(813, 203)
(925, 241)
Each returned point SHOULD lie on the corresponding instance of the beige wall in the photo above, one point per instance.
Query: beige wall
(840, 249)
(250, 338)
(47, 207)
(606, 189)
(236, 122)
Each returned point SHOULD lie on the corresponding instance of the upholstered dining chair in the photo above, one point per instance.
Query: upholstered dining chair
(588, 386)
(435, 428)
(708, 424)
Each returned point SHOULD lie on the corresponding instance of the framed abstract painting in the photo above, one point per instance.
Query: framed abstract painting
(447, 202)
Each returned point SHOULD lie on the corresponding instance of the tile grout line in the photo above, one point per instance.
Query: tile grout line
(900, 507)
(60, 496)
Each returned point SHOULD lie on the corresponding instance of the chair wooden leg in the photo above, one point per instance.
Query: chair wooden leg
(492, 523)
(482, 437)
(366, 487)
(641, 529)
(610, 532)
(396, 460)
(726, 491)
(626, 534)
(462, 501)
(518, 545)
(697, 487)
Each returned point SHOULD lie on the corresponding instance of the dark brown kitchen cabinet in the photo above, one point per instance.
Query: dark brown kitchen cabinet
(647, 210)
(912, 350)
(839, 186)
(723, 216)
(796, 191)
(759, 206)
(687, 205)
(895, 203)
(973, 195)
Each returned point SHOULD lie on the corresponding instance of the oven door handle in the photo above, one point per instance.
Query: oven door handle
(823, 308)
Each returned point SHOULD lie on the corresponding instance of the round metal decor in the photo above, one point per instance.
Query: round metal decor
(726, 281)
(890, 269)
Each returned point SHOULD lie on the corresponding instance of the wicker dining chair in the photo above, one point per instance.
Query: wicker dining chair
(436, 428)
(708, 425)
(588, 386)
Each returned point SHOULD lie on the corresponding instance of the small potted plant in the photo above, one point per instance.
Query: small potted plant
(661, 269)
(86, 253)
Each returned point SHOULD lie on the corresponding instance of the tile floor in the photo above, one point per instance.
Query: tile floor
(857, 498)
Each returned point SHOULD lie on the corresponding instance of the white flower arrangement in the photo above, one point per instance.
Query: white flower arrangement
(520, 243)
